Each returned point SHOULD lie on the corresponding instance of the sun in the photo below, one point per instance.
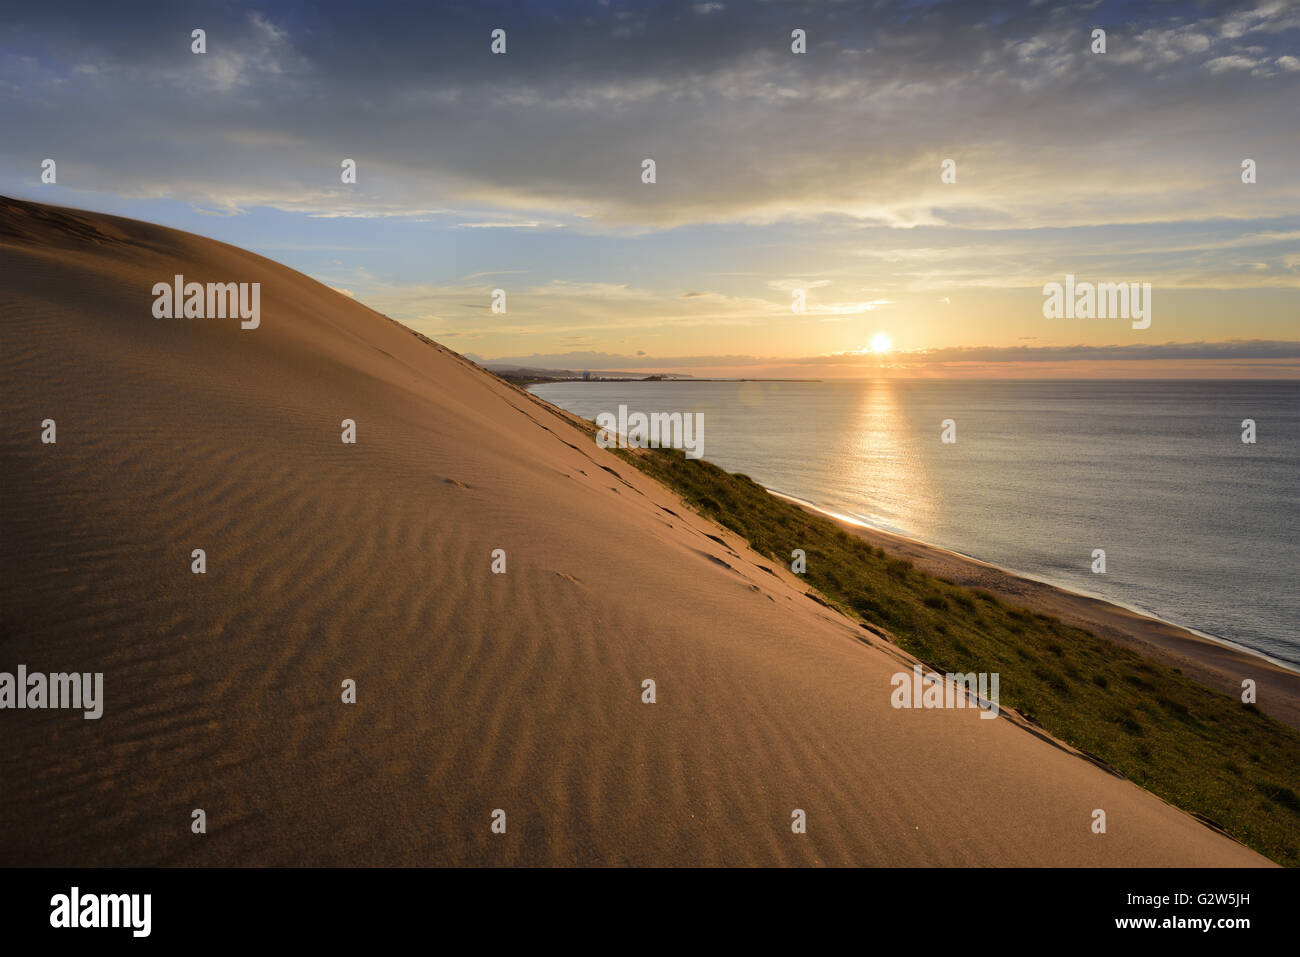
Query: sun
(880, 343)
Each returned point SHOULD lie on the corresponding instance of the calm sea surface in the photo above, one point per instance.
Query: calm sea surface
(1198, 527)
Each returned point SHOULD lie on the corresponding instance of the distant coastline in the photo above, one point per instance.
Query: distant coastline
(529, 378)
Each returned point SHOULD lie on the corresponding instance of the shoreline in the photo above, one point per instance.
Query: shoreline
(1133, 609)
(1215, 662)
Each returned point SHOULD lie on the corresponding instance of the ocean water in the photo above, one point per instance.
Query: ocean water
(1198, 527)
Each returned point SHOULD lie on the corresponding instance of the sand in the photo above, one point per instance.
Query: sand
(372, 562)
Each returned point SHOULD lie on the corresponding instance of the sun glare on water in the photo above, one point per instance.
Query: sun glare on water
(880, 343)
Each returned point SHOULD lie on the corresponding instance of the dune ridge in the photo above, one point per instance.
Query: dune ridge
(476, 691)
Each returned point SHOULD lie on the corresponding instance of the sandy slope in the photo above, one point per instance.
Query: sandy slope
(477, 691)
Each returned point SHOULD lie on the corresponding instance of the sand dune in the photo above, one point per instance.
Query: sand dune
(371, 561)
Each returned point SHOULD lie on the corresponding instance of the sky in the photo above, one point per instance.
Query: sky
(776, 173)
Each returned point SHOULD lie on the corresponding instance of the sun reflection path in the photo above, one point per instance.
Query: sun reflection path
(888, 481)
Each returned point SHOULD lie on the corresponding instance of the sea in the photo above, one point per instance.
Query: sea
(1198, 527)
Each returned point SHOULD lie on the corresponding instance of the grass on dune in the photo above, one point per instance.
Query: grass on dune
(1200, 750)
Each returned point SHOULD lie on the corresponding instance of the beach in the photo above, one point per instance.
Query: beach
(474, 691)
(1216, 664)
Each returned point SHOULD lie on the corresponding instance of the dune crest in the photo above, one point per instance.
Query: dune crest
(371, 562)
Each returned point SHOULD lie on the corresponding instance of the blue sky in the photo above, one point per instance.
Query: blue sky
(776, 171)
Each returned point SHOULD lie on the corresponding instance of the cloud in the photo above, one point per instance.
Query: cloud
(777, 172)
(1234, 62)
(840, 311)
(1273, 16)
(553, 134)
(1232, 349)
(260, 51)
(794, 285)
(524, 225)
(1235, 350)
